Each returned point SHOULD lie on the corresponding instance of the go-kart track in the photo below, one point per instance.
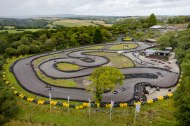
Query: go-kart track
(136, 78)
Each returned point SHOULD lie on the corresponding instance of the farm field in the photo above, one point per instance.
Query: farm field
(72, 23)
(76, 23)
(20, 30)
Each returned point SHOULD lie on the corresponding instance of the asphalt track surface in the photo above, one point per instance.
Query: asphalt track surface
(25, 75)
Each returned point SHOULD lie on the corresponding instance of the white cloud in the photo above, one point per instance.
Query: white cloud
(94, 7)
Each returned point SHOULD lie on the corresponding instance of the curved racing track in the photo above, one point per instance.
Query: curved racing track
(24, 72)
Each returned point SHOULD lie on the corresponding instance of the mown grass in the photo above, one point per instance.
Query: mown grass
(67, 67)
(56, 82)
(120, 46)
(161, 114)
(95, 47)
(116, 60)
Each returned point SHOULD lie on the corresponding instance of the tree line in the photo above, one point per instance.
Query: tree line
(138, 29)
(23, 23)
(49, 40)
(180, 41)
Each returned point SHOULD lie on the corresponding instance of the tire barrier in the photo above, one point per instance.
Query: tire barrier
(141, 75)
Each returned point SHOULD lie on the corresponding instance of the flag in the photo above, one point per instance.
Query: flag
(112, 104)
(49, 96)
(89, 102)
(138, 107)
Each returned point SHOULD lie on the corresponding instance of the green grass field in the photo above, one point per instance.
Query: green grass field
(72, 23)
(67, 67)
(57, 82)
(120, 46)
(116, 60)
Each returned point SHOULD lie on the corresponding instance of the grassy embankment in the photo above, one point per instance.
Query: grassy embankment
(161, 114)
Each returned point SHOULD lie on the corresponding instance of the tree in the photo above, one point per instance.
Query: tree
(104, 78)
(34, 49)
(8, 106)
(3, 44)
(25, 40)
(152, 20)
(182, 97)
(188, 25)
(23, 49)
(97, 38)
(2, 61)
(10, 51)
(168, 39)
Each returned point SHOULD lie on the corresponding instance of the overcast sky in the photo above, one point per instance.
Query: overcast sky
(94, 7)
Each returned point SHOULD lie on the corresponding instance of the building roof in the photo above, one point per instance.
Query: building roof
(156, 51)
(162, 51)
(150, 51)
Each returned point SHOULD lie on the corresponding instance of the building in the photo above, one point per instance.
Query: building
(149, 52)
(152, 52)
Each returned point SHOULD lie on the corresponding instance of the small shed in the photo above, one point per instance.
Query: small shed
(156, 27)
(168, 49)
